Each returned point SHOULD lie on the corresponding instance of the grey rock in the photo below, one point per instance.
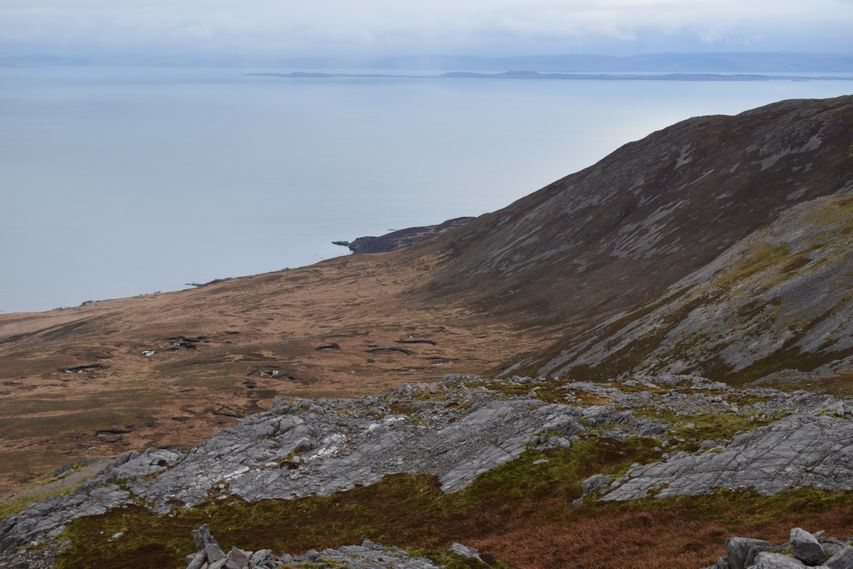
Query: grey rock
(757, 548)
(737, 549)
(775, 561)
(237, 559)
(806, 547)
(340, 444)
(829, 545)
(796, 451)
(368, 555)
(596, 483)
(842, 559)
(465, 551)
(197, 560)
(263, 559)
(202, 537)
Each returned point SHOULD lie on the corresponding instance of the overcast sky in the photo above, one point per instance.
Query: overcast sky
(406, 27)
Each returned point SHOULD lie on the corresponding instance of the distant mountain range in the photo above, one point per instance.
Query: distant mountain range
(536, 75)
(720, 62)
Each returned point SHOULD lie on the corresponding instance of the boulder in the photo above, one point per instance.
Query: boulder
(595, 483)
(842, 559)
(214, 553)
(197, 561)
(237, 559)
(465, 551)
(806, 547)
(737, 549)
(263, 559)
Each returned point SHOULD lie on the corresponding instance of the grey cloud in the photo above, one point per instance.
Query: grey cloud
(439, 26)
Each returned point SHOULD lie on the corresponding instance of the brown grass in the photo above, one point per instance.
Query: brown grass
(270, 321)
(675, 536)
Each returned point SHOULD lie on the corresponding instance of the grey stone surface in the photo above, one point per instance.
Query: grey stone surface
(737, 549)
(317, 448)
(237, 559)
(197, 561)
(797, 451)
(806, 547)
(368, 555)
(596, 483)
(841, 559)
(708, 318)
(465, 551)
(776, 561)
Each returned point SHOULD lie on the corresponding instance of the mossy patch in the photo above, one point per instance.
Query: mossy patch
(689, 431)
(550, 391)
(16, 505)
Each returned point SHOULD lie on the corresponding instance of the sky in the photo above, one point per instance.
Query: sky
(294, 28)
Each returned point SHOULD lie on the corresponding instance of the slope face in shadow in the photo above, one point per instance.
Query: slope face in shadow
(617, 234)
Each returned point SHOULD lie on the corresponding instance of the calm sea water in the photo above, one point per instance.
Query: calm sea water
(122, 181)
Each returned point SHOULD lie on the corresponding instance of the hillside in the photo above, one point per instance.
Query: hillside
(589, 250)
(718, 247)
(777, 301)
(623, 230)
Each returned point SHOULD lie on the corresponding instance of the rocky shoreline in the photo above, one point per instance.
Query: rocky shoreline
(402, 238)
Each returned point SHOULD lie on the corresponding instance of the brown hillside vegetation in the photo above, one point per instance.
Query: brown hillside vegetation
(340, 328)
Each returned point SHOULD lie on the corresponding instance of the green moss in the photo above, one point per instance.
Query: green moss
(524, 480)
(688, 431)
(763, 257)
(16, 505)
(548, 391)
(838, 209)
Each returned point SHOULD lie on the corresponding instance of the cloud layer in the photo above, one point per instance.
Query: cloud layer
(382, 27)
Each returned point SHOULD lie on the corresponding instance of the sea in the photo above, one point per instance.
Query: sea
(124, 181)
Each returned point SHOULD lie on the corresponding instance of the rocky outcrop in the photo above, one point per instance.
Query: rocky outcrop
(401, 238)
(466, 426)
(318, 448)
(802, 549)
(813, 451)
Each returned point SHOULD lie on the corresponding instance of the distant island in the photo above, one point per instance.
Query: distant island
(536, 75)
